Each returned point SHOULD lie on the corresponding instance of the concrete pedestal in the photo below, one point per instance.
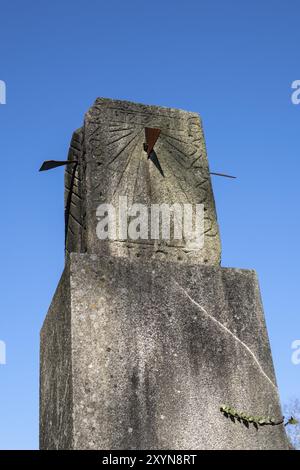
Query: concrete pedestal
(141, 355)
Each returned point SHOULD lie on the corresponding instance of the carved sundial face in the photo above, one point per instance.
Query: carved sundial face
(107, 160)
(149, 154)
(167, 174)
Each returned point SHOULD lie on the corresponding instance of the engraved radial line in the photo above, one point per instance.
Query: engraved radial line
(120, 151)
(195, 159)
(97, 185)
(70, 175)
(188, 157)
(71, 230)
(181, 163)
(75, 204)
(73, 188)
(91, 133)
(74, 152)
(126, 166)
(95, 139)
(80, 198)
(175, 138)
(191, 143)
(192, 154)
(122, 130)
(76, 220)
(178, 182)
(174, 146)
(119, 138)
(200, 183)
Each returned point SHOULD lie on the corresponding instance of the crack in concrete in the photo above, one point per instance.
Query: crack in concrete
(229, 332)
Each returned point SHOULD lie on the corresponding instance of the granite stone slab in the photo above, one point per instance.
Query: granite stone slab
(141, 355)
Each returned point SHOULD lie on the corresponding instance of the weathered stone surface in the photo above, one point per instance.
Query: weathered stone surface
(144, 341)
(56, 394)
(113, 163)
(140, 355)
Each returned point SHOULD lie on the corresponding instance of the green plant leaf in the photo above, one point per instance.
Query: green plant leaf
(293, 421)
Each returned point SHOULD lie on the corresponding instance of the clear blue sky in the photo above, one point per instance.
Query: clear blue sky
(231, 61)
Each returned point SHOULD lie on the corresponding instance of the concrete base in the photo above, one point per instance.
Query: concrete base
(140, 355)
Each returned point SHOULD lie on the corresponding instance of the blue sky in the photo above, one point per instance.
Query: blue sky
(231, 61)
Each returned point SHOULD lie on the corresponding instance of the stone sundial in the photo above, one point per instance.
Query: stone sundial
(107, 160)
(145, 340)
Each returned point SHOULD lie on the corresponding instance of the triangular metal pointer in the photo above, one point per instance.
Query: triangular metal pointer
(50, 164)
(151, 136)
